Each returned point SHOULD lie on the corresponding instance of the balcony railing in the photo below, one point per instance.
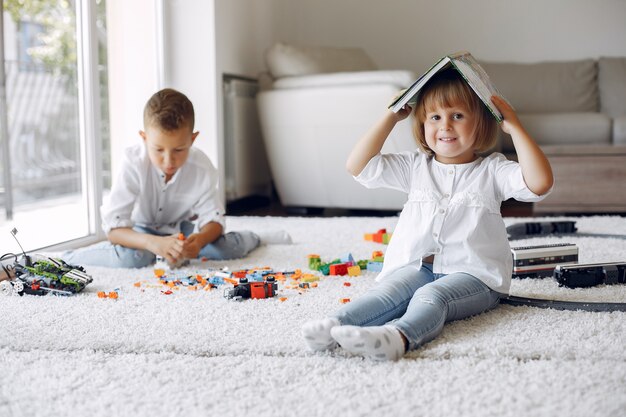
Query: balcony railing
(42, 113)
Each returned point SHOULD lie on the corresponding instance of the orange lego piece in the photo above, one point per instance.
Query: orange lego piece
(137, 284)
(102, 294)
(282, 299)
(314, 284)
(159, 272)
(113, 295)
(344, 300)
(181, 236)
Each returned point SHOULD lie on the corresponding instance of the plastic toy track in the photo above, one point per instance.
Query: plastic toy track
(563, 305)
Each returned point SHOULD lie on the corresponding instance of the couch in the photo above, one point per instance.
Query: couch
(568, 102)
(576, 111)
(316, 102)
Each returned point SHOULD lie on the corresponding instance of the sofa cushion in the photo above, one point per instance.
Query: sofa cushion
(550, 87)
(619, 130)
(563, 129)
(400, 79)
(285, 60)
(612, 84)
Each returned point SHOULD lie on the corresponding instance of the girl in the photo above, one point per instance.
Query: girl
(449, 257)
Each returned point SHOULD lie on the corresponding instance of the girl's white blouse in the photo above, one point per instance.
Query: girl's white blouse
(452, 212)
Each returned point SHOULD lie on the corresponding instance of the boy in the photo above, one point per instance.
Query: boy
(164, 185)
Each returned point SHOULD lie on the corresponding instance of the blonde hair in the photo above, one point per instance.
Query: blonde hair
(169, 110)
(448, 88)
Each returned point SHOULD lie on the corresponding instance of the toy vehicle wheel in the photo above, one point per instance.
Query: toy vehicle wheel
(18, 287)
(6, 288)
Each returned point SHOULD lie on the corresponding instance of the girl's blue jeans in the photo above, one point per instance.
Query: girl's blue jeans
(231, 245)
(418, 302)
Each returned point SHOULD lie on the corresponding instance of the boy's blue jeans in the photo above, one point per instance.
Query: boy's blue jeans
(231, 245)
(418, 302)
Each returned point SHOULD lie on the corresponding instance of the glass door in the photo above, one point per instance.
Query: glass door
(54, 121)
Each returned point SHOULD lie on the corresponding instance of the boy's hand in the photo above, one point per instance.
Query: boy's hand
(169, 247)
(192, 246)
(511, 121)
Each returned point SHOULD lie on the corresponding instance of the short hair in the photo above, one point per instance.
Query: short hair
(448, 88)
(168, 110)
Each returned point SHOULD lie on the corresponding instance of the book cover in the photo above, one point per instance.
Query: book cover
(471, 71)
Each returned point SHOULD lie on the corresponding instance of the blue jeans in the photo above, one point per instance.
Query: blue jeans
(231, 245)
(418, 302)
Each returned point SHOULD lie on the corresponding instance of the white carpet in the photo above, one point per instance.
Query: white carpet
(195, 353)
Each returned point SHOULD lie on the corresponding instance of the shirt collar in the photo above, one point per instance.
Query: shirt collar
(161, 176)
(456, 167)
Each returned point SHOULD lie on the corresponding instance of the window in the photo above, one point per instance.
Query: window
(54, 165)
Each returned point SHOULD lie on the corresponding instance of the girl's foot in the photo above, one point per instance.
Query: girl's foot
(381, 343)
(317, 336)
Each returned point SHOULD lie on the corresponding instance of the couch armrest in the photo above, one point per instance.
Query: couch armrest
(619, 130)
(309, 133)
(399, 79)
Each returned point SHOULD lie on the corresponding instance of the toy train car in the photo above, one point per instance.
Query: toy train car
(589, 275)
(539, 261)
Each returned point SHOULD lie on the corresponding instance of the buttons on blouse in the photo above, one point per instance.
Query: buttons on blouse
(451, 172)
(442, 211)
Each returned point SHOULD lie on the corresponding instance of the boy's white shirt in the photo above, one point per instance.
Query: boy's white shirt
(140, 196)
(452, 212)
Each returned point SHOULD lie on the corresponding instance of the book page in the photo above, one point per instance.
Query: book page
(478, 79)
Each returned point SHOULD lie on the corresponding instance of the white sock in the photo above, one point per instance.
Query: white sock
(274, 237)
(317, 336)
(381, 343)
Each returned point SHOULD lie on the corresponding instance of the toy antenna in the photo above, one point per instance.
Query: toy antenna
(14, 232)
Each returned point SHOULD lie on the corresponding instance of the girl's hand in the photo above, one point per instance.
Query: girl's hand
(405, 111)
(511, 121)
(169, 247)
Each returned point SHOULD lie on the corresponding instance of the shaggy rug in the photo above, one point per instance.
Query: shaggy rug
(195, 353)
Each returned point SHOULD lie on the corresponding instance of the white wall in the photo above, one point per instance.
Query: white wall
(132, 71)
(190, 65)
(412, 34)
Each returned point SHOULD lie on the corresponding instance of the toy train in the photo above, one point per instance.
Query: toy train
(589, 275)
(539, 261)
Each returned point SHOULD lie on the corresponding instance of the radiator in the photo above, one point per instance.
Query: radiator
(247, 171)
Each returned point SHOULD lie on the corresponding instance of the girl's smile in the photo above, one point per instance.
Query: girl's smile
(449, 132)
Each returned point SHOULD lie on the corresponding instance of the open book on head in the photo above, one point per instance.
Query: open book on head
(471, 71)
